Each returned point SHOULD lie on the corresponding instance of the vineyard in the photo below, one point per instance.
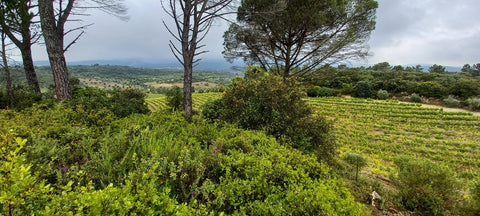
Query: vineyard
(382, 130)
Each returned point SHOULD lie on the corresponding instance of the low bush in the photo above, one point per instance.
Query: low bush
(348, 89)
(431, 89)
(415, 98)
(382, 94)
(425, 187)
(474, 104)
(317, 91)
(175, 98)
(363, 89)
(451, 102)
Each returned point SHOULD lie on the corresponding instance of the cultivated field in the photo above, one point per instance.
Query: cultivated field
(382, 130)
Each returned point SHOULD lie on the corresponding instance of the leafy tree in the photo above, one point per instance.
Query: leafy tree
(383, 66)
(436, 69)
(16, 20)
(398, 68)
(364, 89)
(174, 98)
(418, 68)
(292, 37)
(466, 88)
(356, 160)
(431, 89)
(193, 19)
(467, 68)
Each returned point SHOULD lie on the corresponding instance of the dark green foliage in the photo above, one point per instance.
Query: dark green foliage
(128, 101)
(299, 35)
(436, 69)
(348, 89)
(415, 98)
(122, 102)
(364, 89)
(263, 101)
(149, 164)
(425, 187)
(175, 98)
(317, 91)
(212, 110)
(465, 88)
(25, 97)
(383, 66)
(382, 94)
(431, 89)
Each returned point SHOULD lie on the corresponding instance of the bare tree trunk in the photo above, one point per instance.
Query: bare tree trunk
(187, 87)
(53, 35)
(11, 97)
(30, 68)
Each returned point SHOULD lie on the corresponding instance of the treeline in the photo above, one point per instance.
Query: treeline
(399, 82)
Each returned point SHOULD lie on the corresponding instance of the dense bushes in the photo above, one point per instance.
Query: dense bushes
(175, 98)
(363, 89)
(121, 102)
(317, 91)
(431, 89)
(263, 101)
(474, 104)
(425, 187)
(159, 164)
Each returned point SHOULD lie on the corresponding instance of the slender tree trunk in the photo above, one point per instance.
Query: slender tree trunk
(187, 88)
(11, 97)
(54, 41)
(30, 68)
(188, 50)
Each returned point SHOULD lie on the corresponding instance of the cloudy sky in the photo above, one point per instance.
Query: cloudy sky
(408, 32)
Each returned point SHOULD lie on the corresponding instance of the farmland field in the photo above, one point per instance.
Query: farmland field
(382, 130)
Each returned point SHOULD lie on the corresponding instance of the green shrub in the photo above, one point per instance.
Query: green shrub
(451, 102)
(465, 88)
(425, 187)
(263, 101)
(175, 98)
(431, 89)
(474, 104)
(317, 91)
(212, 110)
(128, 101)
(475, 192)
(382, 94)
(348, 89)
(21, 191)
(363, 89)
(415, 98)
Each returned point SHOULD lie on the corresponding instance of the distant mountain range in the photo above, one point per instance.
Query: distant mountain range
(205, 64)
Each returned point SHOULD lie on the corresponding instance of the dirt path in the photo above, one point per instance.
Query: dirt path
(446, 109)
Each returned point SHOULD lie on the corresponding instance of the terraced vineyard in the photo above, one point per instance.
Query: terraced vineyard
(384, 129)
(198, 99)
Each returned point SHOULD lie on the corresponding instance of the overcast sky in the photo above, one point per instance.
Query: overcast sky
(408, 32)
